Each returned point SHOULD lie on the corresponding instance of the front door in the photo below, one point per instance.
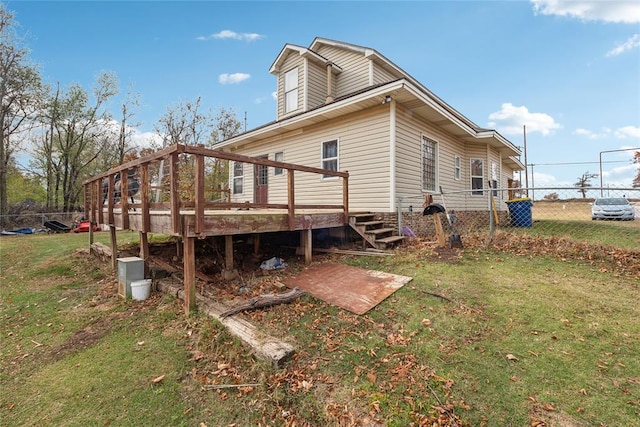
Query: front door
(261, 187)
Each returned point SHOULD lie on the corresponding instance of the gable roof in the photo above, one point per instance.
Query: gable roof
(406, 90)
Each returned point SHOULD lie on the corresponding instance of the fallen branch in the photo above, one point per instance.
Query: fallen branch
(437, 295)
(266, 300)
(220, 386)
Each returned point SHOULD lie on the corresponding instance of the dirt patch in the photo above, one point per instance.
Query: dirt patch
(85, 337)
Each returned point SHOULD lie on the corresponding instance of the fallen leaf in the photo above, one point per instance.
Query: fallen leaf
(511, 357)
(426, 322)
(158, 379)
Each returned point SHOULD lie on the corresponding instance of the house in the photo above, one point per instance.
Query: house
(348, 108)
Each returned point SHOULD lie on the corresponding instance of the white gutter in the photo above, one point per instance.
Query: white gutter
(392, 156)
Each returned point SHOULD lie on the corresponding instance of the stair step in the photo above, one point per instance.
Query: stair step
(390, 239)
(377, 231)
(369, 223)
(362, 215)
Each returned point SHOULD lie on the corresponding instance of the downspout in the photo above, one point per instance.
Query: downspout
(329, 84)
(392, 156)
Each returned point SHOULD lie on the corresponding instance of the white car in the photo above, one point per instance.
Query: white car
(612, 208)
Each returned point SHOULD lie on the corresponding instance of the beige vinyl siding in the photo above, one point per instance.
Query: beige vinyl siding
(380, 75)
(409, 133)
(363, 150)
(355, 69)
(292, 61)
(316, 85)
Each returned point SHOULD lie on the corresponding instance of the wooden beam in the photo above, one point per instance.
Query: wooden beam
(124, 198)
(114, 248)
(256, 244)
(306, 242)
(265, 346)
(291, 199)
(199, 196)
(100, 204)
(144, 252)
(110, 193)
(345, 198)
(144, 194)
(189, 261)
(228, 252)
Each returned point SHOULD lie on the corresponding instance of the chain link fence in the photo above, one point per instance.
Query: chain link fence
(554, 212)
(36, 220)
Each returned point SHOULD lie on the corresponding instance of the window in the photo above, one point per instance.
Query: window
(238, 177)
(428, 164)
(494, 178)
(457, 168)
(278, 157)
(330, 156)
(477, 177)
(291, 90)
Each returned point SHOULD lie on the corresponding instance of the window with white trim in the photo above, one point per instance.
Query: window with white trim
(429, 164)
(330, 156)
(457, 167)
(291, 90)
(477, 177)
(238, 177)
(278, 157)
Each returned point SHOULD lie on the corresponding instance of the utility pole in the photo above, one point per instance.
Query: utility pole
(526, 171)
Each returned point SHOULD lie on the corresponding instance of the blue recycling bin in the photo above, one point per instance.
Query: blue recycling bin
(520, 212)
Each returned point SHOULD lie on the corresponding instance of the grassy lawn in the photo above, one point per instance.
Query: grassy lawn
(519, 334)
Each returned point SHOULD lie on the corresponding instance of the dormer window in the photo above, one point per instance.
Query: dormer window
(291, 90)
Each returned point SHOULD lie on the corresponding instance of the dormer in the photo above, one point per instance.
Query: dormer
(328, 69)
(306, 80)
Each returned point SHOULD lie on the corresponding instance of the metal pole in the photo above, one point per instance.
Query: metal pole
(526, 171)
(612, 151)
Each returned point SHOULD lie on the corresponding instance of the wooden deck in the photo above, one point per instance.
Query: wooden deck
(188, 204)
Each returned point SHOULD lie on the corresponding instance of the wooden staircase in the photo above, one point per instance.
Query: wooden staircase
(374, 232)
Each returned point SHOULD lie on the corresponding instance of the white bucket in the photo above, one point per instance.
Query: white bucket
(140, 289)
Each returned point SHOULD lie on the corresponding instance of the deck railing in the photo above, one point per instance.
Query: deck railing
(186, 184)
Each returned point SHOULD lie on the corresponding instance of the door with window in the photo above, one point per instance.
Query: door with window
(261, 185)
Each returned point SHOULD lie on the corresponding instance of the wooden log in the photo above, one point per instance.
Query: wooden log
(266, 300)
(265, 346)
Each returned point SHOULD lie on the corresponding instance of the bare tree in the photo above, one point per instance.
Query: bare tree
(79, 129)
(583, 182)
(20, 92)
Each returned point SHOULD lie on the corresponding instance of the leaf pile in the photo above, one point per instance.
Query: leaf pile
(606, 258)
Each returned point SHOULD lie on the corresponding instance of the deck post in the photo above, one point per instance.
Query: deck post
(189, 262)
(199, 196)
(124, 198)
(144, 251)
(291, 202)
(306, 238)
(228, 252)
(114, 247)
(256, 244)
(175, 197)
(144, 195)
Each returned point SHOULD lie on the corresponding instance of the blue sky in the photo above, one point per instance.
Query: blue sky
(568, 70)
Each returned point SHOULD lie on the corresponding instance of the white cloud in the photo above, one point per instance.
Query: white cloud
(274, 95)
(620, 133)
(228, 34)
(631, 43)
(627, 12)
(510, 120)
(227, 79)
(628, 132)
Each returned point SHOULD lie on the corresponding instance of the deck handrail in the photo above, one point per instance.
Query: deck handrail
(93, 188)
